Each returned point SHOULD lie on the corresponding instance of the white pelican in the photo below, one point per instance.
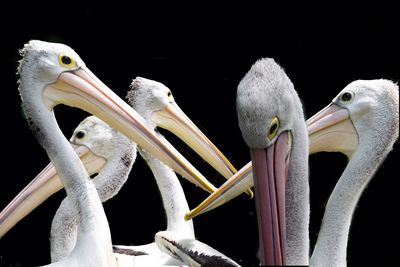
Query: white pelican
(270, 116)
(147, 97)
(51, 74)
(42, 62)
(272, 123)
(368, 109)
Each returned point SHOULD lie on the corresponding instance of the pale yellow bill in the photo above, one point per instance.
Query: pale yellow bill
(233, 187)
(331, 130)
(173, 119)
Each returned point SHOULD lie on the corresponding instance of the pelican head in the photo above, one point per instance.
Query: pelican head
(341, 125)
(269, 112)
(155, 102)
(149, 96)
(369, 100)
(99, 138)
(49, 60)
(264, 108)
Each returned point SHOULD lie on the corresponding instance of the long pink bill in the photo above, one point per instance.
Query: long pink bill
(270, 169)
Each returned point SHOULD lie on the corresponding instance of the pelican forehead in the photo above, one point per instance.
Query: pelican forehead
(369, 96)
(263, 94)
(40, 61)
(95, 135)
(147, 96)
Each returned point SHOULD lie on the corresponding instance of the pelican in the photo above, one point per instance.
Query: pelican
(146, 97)
(272, 124)
(52, 74)
(368, 109)
(94, 239)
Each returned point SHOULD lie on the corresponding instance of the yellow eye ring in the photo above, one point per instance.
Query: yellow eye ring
(273, 128)
(66, 61)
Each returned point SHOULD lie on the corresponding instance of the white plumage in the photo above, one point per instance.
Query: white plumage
(38, 67)
(373, 108)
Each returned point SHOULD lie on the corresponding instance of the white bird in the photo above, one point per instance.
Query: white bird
(51, 74)
(271, 119)
(119, 154)
(94, 240)
(147, 97)
(368, 109)
(272, 123)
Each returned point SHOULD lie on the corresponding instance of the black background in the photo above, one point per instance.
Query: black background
(201, 53)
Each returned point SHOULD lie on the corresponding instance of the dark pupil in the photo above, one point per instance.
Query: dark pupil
(80, 134)
(346, 97)
(273, 128)
(66, 60)
(169, 94)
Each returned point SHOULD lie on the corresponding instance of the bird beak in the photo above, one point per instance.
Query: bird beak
(233, 187)
(41, 187)
(332, 130)
(173, 119)
(82, 89)
(270, 169)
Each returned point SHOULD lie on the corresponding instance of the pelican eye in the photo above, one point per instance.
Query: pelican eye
(346, 97)
(273, 128)
(66, 61)
(80, 134)
(169, 95)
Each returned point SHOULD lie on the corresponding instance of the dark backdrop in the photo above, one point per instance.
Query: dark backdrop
(201, 54)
